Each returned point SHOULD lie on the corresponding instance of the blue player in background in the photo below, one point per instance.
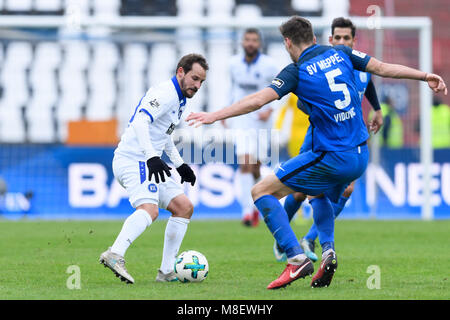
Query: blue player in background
(322, 77)
(343, 32)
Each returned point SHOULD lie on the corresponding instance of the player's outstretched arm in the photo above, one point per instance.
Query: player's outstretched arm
(398, 71)
(247, 104)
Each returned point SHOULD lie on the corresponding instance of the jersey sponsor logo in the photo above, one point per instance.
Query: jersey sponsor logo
(360, 54)
(171, 128)
(152, 187)
(154, 104)
(277, 82)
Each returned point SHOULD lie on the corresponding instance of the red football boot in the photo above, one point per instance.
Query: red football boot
(292, 273)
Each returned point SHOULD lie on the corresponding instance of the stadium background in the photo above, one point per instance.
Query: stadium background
(67, 93)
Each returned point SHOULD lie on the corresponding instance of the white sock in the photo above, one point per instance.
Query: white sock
(132, 228)
(297, 260)
(175, 231)
(324, 254)
(247, 181)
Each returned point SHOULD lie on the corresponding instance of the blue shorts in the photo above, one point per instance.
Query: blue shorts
(329, 172)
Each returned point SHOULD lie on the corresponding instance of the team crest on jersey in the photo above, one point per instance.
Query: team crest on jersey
(154, 103)
(363, 76)
(170, 129)
(277, 82)
(152, 187)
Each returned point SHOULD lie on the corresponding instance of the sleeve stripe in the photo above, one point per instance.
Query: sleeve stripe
(151, 117)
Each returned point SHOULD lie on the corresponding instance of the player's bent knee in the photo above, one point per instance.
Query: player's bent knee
(348, 191)
(270, 185)
(299, 196)
(151, 209)
(188, 210)
(181, 207)
(257, 191)
(317, 196)
(261, 189)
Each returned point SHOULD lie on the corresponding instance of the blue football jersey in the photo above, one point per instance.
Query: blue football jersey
(324, 81)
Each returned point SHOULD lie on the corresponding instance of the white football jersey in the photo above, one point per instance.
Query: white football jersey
(248, 78)
(164, 104)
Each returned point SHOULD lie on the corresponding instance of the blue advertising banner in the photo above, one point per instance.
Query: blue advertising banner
(62, 182)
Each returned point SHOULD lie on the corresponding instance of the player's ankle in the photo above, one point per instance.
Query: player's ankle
(297, 260)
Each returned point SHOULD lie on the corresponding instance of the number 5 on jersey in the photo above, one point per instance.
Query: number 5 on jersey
(338, 87)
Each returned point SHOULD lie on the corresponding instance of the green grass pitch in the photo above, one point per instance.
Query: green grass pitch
(413, 259)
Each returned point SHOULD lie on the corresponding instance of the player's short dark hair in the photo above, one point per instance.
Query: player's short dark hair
(253, 30)
(299, 30)
(342, 22)
(187, 61)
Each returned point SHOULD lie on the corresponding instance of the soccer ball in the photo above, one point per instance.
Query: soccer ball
(191, 266)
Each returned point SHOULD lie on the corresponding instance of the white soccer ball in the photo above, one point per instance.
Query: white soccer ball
(191, 266)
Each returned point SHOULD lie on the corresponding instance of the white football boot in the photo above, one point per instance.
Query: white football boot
(166, 277)
(116, 263)
(308, 248)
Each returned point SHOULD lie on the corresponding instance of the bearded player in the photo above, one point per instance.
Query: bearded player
(138, 167)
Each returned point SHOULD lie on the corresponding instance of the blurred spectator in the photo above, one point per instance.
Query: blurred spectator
(440, 120)
(392, 130)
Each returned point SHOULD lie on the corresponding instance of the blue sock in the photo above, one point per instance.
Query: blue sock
(323, 219)
(327, 245)
(291, 206)
(277, 221)
(337, 209)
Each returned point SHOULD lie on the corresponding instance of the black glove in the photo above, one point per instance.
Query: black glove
(157, 167)
(186, 174)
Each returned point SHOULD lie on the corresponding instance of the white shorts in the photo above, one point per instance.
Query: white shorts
(133, 176)
(251, 137)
